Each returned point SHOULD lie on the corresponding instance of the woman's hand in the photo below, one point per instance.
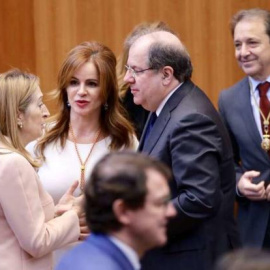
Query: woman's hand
(83, 228)
(68, 201)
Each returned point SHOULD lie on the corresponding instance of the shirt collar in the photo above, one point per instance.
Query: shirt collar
(254, 83)
(162, 104)
(128, 251)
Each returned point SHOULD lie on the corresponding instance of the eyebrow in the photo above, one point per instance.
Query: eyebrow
(131, 66)
(164, 198)
(92, 79)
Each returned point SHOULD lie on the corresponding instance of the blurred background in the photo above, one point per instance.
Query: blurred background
(35, 35)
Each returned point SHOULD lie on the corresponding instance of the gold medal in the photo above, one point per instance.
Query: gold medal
(265, 143)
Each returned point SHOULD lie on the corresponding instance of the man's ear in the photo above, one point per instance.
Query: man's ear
(167, 73)
(121, 212)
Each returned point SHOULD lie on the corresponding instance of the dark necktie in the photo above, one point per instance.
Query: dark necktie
(264, 104)
(150, 125)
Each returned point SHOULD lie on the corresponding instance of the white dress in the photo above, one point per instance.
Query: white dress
(62, 167)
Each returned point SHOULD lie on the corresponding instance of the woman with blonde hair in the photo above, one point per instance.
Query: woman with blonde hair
(30, 230)
(90, 121)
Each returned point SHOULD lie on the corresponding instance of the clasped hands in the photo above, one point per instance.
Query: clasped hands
(253, 191)
(69, 202)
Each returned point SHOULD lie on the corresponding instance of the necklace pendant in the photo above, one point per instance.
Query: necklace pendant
(83, 164)
(265, 143)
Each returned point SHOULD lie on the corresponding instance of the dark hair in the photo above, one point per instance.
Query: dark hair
(161, 55)
(250, 14)
(118, 175)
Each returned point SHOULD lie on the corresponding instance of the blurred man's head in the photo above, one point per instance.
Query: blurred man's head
(128, 197)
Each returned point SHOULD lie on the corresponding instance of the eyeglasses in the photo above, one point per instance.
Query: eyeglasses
(134, 72)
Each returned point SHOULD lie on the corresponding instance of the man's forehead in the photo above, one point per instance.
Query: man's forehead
(143, 43)
(138, 54)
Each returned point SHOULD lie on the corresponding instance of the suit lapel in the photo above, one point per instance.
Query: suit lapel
(247, 114)
(164, 117)
(156, 132)
(144, 132)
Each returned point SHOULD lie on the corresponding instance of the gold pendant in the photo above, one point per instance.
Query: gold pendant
(266, 122)
(265, 143)
(82, 182)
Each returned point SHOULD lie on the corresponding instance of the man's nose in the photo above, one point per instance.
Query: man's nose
(129, 78)
(244, 50)
(171, 211)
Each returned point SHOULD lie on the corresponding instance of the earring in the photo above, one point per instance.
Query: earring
(106, 106)
(20, 125)
(68, 104)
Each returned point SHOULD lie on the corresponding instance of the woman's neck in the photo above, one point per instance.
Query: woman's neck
(84, 131)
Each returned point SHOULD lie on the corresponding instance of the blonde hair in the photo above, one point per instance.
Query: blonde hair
(113, 120)
(16, 92)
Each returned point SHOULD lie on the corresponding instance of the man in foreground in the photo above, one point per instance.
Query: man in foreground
(127, 205)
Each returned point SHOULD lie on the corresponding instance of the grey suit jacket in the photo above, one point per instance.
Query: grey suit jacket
(236, 110)
(191, 139)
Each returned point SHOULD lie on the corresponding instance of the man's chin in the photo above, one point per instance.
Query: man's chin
(162, 242)
(249, 70)
(163, 238)
(136, 101)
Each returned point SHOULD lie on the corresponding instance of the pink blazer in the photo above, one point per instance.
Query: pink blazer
(28, 230)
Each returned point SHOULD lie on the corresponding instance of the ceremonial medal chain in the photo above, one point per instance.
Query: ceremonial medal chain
(265, 144)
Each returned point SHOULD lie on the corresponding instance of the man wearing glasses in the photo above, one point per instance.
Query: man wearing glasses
(185, 132)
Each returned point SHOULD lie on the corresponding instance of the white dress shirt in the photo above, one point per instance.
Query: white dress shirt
(162, 104)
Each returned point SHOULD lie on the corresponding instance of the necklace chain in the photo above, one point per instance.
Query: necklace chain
(83, 164)
(266, 137)
(265, 119)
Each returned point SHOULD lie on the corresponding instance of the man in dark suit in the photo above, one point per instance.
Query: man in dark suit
(189, 136)
(127, 209)
(240, 106)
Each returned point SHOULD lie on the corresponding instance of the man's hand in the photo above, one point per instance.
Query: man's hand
(267, 193)
(251, 190)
